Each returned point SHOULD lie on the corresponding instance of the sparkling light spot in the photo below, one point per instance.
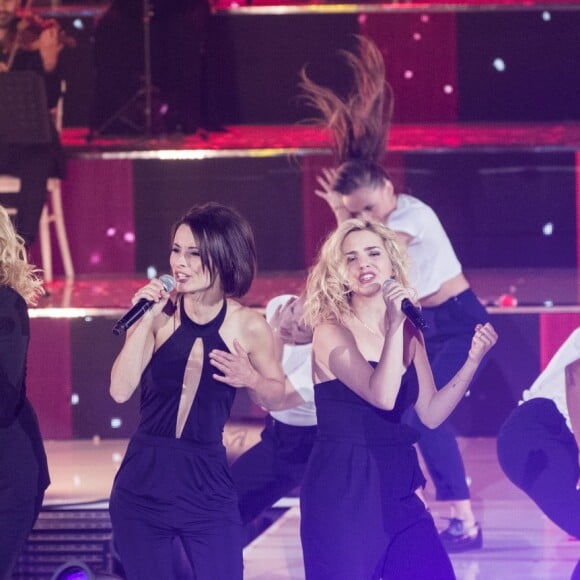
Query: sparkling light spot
(425, 18)
(95, 258)
(77, 480)
(408, 74)
(548, 229)
(548, 303)
(448, 89)
(417, 36)
(546, 16)
(499, 64)
(111, 232)
(151, 272)
(129, 237)
(74, 399)
(362, 18)
(78, 24)
(117, 457)
(116, 422)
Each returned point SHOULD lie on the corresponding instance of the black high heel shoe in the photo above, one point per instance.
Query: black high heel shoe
(458, 538)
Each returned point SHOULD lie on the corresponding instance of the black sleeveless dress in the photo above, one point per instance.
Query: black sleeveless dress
(169, 487)
(358, 492)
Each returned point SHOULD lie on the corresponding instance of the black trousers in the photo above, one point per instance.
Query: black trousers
(538, 453)
(272, 468)
(15, 525)
(169, 492)
(417, 553)
(33, 164)
(448, 340)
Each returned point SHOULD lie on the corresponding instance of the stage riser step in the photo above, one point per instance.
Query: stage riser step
(66, 535)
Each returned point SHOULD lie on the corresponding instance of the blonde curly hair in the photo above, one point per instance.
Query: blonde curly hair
(328, 295)
(15, 271)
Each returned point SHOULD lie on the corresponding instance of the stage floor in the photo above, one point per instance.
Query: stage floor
(520, 543)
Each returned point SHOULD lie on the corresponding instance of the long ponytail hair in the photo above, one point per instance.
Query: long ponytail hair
(360, 123)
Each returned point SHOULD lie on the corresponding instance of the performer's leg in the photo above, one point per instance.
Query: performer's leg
(576, 572)
(417, 552)
(439, 446)
(216, 554)
(443, 459)
(33, 167)
(143, 544)
(538, 453)
(15, 525)
(448, 339)
(254, 477)
(272, 468)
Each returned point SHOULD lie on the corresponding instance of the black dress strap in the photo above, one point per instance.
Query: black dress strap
(209, 327)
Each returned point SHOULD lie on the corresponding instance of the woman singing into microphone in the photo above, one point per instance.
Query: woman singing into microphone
(361, 516)
(189, 355)
(360, 187)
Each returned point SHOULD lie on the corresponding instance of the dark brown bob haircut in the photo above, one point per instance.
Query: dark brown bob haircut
(226, 245)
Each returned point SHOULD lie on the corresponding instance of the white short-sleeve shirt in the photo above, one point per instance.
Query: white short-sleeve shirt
(432, 258)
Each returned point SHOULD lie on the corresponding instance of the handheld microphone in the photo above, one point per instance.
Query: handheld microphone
(137, 311)
(410, 311)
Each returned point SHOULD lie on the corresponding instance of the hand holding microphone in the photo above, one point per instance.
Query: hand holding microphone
(408, 308)
(142, 306)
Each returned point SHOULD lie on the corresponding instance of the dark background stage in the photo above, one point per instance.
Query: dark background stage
(447, 62)
(487, 131)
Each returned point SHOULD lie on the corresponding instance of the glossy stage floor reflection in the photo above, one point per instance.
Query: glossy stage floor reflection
(519, 542)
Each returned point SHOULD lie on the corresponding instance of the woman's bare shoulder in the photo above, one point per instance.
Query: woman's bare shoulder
(331, 333)
(245, 318)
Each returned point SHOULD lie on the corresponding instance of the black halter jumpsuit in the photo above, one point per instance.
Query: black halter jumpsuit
(178, 489)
